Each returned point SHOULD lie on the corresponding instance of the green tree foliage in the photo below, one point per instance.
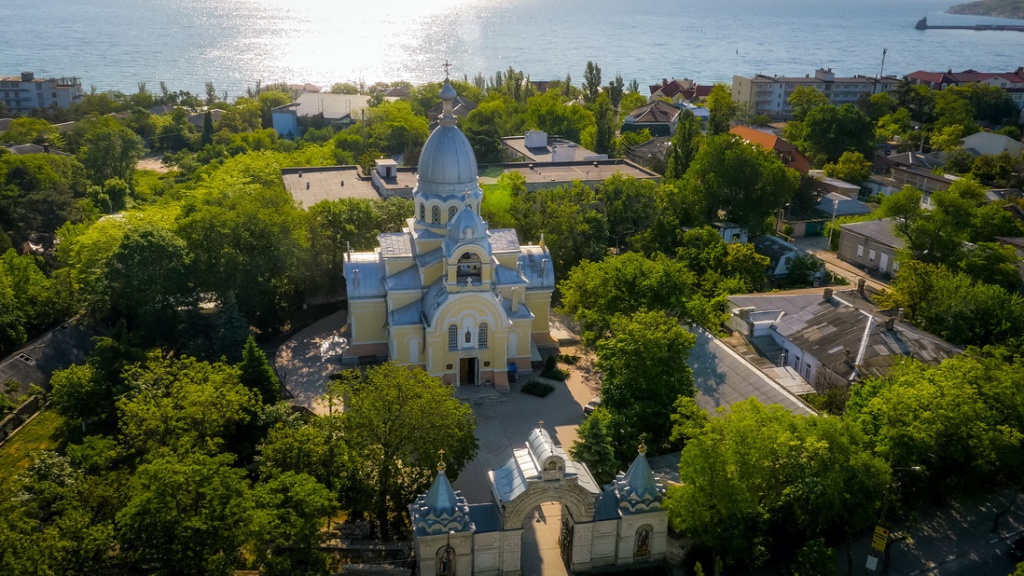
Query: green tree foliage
(685, 144)
(631, 101)
(148, 280)
(573, 224)
(956, 308)
(257, 374)
(40, 300)
(645, 371)
(828, 131)
(851, 167)
(319, 448)
(394, 128)
(722, 109)
(604, 127)
(186, 514)
(183, 404)
(960, 421)
(285, 524)
(591, 81)
(396, 420)
(39, 193)
(486, 124)
(79, 393)
(30, 130)
(12, 319)
(630, 206)
(108, 150)
(757, 476)
(804, 99)
(595, 447)
(595, 292)
(629, 140)
(616, 90)
(547, 112)
(744, 183)
(207, 136)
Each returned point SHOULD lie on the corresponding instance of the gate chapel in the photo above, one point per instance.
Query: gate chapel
(448, 294)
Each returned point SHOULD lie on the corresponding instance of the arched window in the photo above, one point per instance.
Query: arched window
(453, 337)
(481, 338)
(452, 211)
(445, 561)
(435, 215)
(423, 211)
(642, 546)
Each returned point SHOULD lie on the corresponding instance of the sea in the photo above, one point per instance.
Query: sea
(235, 44)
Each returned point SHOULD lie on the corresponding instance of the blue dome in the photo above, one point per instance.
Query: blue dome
(447, 163)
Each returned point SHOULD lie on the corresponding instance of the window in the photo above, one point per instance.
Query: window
(860, 251)
(871, 255)
(435, 215)
(423, 211)
(453, 337)
(452, 212)
(481, 339)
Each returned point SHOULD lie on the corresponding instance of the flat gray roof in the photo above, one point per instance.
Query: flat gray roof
(558, 173)
(316, 184)
(544, 153)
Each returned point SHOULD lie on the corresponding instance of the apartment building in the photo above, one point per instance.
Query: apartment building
(769, 95)
(22, 94)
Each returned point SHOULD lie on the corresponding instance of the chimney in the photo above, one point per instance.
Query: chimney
(890, 323)
(861, 283)
(28, 76)
(848, 356)
(515, 299)
(827, 295)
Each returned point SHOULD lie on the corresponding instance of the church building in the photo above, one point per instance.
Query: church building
(448, 294)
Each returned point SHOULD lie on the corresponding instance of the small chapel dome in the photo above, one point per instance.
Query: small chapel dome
(447, 162)
(467, 226)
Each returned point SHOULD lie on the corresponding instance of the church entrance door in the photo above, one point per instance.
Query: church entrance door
(467, 371)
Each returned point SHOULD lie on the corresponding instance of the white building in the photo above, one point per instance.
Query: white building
(22, 94)
(769, 95)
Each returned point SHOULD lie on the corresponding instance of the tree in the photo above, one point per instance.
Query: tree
(615, 90)
(394, 128)
(547, 112)
(759, 474)
(828, 131)
(645, 368)
(852, 167)
(183, 405)
(186, 514)
(319, 448)
(594, 446)
(591, 81)
(604, 128)
(284, 533)
(79, 393)
(147, 281)
(595, 292)
(207, 136)
(803, 100)
(108, 150)
(685, 144)
(396, 420)
(745, 183)
(721, 108)
(12, 319)
(573, 224)
(630, 206)
(257, 374)
(631, 101)
(27, 130)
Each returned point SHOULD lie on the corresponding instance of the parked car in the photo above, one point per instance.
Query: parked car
(1017, 549)
(592, 405)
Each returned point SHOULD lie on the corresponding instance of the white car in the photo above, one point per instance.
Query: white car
(592, 405)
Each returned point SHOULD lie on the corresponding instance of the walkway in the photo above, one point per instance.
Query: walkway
(307, 360)
(817, 245)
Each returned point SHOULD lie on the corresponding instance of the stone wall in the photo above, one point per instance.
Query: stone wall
(18, 417)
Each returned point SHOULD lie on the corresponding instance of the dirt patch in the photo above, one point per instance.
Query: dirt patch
(154, 163)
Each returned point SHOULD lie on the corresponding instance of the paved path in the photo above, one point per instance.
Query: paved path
(818, 246)
(540, 553)
(306, 361)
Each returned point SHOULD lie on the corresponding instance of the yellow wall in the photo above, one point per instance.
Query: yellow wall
(367, 318)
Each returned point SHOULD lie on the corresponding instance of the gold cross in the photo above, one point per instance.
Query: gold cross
(540, 424)
(446, 67)
(440, 462)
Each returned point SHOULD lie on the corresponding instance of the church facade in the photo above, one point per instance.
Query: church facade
(448, 294)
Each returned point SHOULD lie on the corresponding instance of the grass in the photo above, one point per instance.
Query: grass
(493, 172)
(44, 432)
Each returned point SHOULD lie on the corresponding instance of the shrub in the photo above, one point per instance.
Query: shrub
(537, 388)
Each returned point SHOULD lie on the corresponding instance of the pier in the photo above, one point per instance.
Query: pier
(922, 24)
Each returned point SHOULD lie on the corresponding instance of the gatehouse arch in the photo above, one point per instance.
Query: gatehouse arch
(622, 523)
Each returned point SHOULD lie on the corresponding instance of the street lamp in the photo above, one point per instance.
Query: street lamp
(835, 206)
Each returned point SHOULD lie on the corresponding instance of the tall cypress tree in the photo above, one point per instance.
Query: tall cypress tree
(207, 136)
(257, 373)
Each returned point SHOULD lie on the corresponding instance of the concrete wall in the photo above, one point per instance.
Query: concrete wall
(20, 415)
(866, 252)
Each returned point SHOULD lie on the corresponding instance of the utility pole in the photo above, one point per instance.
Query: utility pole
(880, 70)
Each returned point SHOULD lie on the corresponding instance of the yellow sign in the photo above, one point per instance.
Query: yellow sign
(880, 538)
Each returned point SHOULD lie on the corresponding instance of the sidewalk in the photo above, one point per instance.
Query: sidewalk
(818, 246)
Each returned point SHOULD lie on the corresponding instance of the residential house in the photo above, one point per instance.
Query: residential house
(787, 152)
(991, 144)
(780, 255)
(769, 95)
(679, 91)
(1012, 82)
(463, 106)
(838, 205)
(1017, 243)
(659, 117)
(831, 339)
(199, 118)
(872, 245)
(316, 110)
(651, 154)
(835, 185)
(25, 93)
(537, 146)
(921, 178)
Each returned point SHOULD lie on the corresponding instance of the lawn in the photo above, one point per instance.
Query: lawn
(44, 432)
